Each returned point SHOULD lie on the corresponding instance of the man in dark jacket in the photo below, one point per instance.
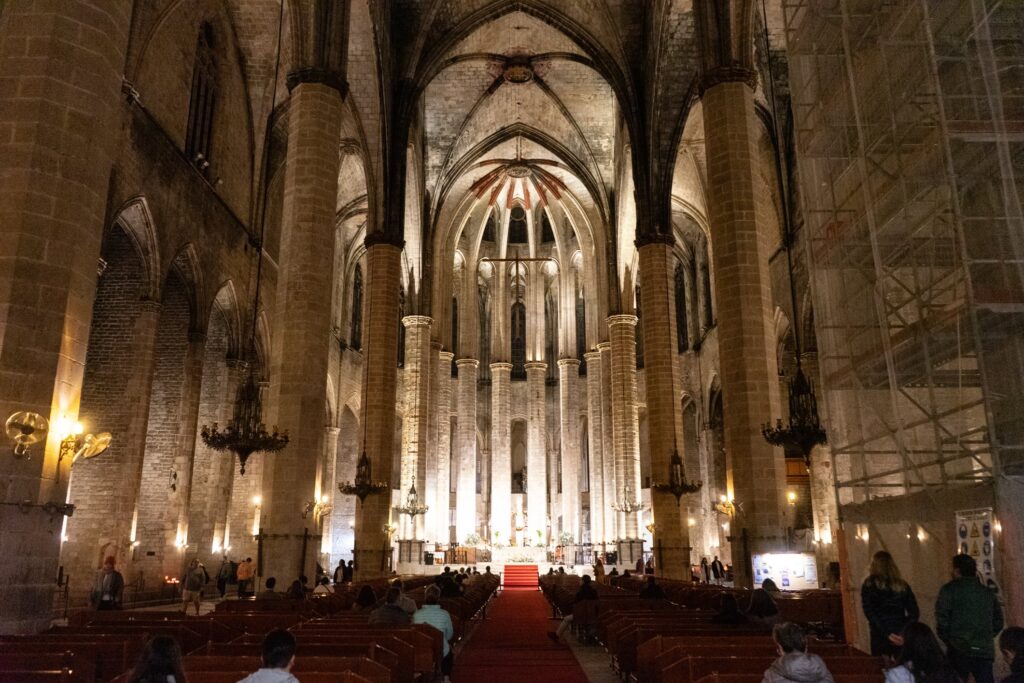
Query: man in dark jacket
(108, 587)
(391, 612)
(968, 617)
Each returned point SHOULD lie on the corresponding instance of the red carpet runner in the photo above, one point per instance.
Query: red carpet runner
(512, 645)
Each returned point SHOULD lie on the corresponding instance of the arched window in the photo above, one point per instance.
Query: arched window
(707, 313)
(356, 336)
(517, 230)
(202, 101)
(484, 305)
(401, 327)
(551, 334)
(490, 228)
(518, 340)
(581, 329)
(682, 330)
(547, 234)
(455, 336)
(639, 332)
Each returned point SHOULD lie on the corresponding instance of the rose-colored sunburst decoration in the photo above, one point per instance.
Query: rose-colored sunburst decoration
(519, 176)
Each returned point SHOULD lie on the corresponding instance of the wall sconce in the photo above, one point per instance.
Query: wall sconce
(690, 521)
(320, 508)
(25, 428)
(74, 444)
(390, 529)
(726, 506)
(791, 498)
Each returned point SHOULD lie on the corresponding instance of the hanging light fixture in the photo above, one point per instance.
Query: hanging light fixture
(246, 434)
(628, 502)
(412, 505)
(677, 484)
(803, 431)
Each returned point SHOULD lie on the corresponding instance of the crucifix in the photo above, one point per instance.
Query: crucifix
(517, 260)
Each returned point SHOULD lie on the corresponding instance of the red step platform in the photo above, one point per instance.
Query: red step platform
(520, 576)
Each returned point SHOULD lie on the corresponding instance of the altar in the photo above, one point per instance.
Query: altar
(519, 555)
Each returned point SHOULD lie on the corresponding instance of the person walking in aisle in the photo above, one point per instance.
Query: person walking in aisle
(246, 579)
(192, 583)
(967, 618)
(225, 575)
(888, 604)
(705, 570)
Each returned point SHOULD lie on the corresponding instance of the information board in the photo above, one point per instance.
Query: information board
(974, 537)
(789, 571)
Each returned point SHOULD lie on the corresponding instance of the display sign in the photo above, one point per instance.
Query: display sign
(789, 571)
(974, 537)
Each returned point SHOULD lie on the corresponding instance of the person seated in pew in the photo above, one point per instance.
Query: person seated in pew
(652, 591)
(1011, 644)
(762, 609)
(295, 591)
(324, 587)
(729, 611)
(586, 592)
(433, 615)
(278, 659)
(404, 601)
(771, 587)
(921, 659)
(449, 587)
(269, 592)
(445, 574)
(795, 664)
(391, 612)
(365, 600)
(487, 571)
(160, 662)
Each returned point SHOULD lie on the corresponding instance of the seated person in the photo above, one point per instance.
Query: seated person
(652, 591)
(586, 592)
(278, 659)
(391, 612)
(771, 587)
(921, 658)
(1011, 643)
(729, 611)
(405, 602)
(365, 600)
(449, 587)
(296, 591)
(324, 587)
(762, 609)
(433, 615)
(269, 592)
(795, 664)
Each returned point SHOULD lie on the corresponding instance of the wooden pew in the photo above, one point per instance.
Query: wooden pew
(110, 655)
(56, 665)
(370, 670)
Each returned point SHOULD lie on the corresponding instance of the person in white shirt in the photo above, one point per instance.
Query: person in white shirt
(432, 614)
(324, 587)
(278, 659)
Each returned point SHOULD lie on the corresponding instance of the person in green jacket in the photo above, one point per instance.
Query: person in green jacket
(968, 617)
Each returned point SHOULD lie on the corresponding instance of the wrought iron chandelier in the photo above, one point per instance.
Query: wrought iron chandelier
(363, 485)
(628, 503)
(246, 434)
(803, 431)
(412, 505)
(677, 483)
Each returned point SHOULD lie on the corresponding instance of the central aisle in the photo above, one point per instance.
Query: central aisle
(512, 645)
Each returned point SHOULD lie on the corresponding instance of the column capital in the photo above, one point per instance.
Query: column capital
(381, 238)
(568, 362)
(320, 76)
(332, 431)
(592, 356)
(727, 73)
(468, 362)
(535, 365)
(501, 367)
(417, 321)
(604, 346)
(236, 363)
(621, 319)
(446, 356)
(436, 346)
(654, 238)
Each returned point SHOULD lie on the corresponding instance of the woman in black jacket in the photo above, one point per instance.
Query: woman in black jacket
(889, 605)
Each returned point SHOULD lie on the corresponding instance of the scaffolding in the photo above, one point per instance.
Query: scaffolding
(909, 119)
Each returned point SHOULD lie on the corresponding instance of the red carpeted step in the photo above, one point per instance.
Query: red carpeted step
(520, 576)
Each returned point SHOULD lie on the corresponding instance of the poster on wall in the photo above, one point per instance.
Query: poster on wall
(789, 571)
(974, 537)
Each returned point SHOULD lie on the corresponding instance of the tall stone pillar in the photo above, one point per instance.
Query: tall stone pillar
(625, 433)
(536, 453)
(442, 518)
(596, 451)
(416, 383)
(611, 518)
(62, 66)
(380, 388)
(737, 219)
(824, 504)
(302, 324)
(428, 463)
(671, 536)
(328, 493)
(568, 400)
(501, 452)
(177, 514)
(465, 448)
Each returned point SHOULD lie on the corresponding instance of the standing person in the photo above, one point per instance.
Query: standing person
(795, 663)
(432, 614)
(705, 570)
(889, 605)
(639, 566)
(160, 662)
(968, 617)
(246, 579)
(278, 659)
(350, 570)
(599, 574)
(192, 583)
(339, 573)
(649, 567)
(225, 575)
(921, 659)
(1011, 643)
(108, 589)
(717, 571)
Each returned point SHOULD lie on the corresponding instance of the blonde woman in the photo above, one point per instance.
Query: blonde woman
(889, 605)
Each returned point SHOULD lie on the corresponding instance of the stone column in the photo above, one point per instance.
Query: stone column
(824, 504)
(329, 493)
(416, 383)
(62, 65)
(611, 519)
(501, 452)
(177, 515)
(465, 449)
(743, 298)
(302, 324)
(568, 400)
(622, 333)
(536, 453)
(429, 463)
(594, 435)
(443, 503)
(380, 388)
(671, 543)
